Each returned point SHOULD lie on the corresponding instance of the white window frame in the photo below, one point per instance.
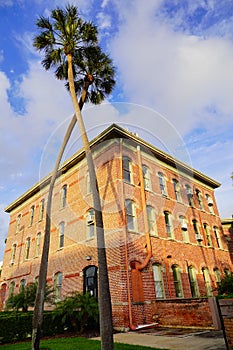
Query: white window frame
(162, 184)
(146, 177)
(130, 209)
(127, 169)
(151, 220)
(158, 281)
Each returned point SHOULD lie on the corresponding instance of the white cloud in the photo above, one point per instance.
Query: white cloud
(178, 74)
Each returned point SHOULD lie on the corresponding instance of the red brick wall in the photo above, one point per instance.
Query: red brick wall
(184, 312)
(123, 247)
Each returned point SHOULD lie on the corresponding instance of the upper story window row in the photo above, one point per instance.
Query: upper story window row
(181, 193)
(41, 214)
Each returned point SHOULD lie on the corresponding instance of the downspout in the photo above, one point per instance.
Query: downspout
(148, 246)
(143, 198)
(131, 325)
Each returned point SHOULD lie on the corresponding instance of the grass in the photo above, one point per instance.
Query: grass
(71, 344)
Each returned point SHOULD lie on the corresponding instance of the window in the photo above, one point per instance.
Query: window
(57, 286)
(176, 186)
(168, 223)
(61, 234)
(127, 169)
(217, 237)
(18, 221)
(22, 285)
(158, 281)
(42, 207)
(146, 177)
(206, 276)
(90, 284)
(13, 253)
(199, 237)
(12, 288)
(90, 222)
(32, 212)
(151, 220)
(208, 235)
(199, 198)
(130, 215)
(193, 282)
(27, 247)
(217, 275)
(162, 184)
(184, 228)
(63, 196)
(177, 281)
(38, 242)
(210, 203)
(189, 194)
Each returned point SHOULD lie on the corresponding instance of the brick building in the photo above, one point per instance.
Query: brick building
(165, 246)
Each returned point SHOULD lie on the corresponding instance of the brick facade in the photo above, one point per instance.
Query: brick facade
(148, 255)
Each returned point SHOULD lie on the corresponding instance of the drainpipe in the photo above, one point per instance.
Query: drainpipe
(143, 198)
(141, 266)
(131, 325)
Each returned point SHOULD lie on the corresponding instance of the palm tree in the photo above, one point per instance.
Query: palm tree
(70, 46)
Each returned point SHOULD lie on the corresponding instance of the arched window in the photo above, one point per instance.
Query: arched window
(151, 220)
(162, 184)
(207, 280)
(32, 212)
(18, 221)
(27, 247)
(146, 177)
(42, 208)
(158, 281)
(12, 288)
(38, 242)
(193, 282)
(63, 196)
(57, 286)
(189, 194)
(22, 285)
(90, 223)
(210, 203)
(130, 215)
(208, 235)
(177, 281)
(168, 223)
(61, 232)
(90, 284)
(217, 237)
(199, 198)
(184, 228)
(199, 237)
(127, 169)
(217, 275)
(177, 192)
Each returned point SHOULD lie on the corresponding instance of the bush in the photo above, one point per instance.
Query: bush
(26, 297)
(79, 310)
(15, 326)
(225, 287)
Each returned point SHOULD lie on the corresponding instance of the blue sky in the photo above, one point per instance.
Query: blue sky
(174, 87)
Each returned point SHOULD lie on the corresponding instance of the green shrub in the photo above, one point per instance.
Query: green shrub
(79, 310)
(225, 287)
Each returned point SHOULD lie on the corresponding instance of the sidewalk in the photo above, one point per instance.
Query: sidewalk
(174, 339)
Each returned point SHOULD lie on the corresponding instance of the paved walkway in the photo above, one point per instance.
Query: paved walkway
(174, 339)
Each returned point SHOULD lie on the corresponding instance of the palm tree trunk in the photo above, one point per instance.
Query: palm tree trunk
(105, 308)
(40, 295)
